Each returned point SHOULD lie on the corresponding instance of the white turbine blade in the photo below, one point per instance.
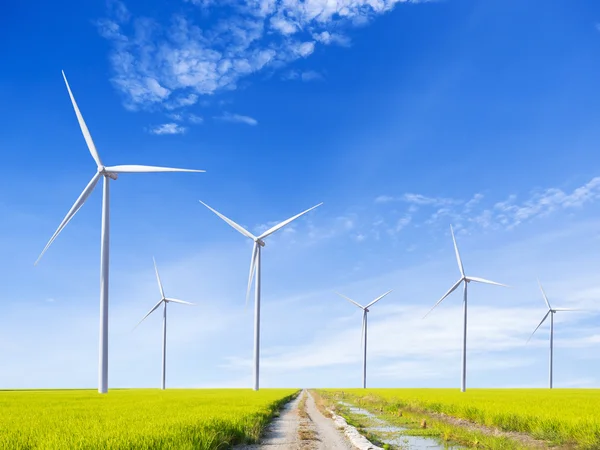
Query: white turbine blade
(362, 331)
(146, 169)
(174, 300)
(566, 309)
(543, 320)
(544, 294)
(285, 222)
(84, 129)
(378, 298)
(76, 206)
(160, 286)
(252, 272)
(231, 223)
(350, 300)
(450, 291)
(460, 264)
(483, 280)
(150, 312)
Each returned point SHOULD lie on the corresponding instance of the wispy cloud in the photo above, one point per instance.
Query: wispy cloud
(237, 118)
(167, 128)
(418, 199)
(507, 214)
(193, 118)
(309, 75)
(540, 203)
(170, 66)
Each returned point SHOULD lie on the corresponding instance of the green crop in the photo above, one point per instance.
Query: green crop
(136, 418)
(560, 416)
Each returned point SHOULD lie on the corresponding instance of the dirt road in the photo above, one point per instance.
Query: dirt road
(303, 428)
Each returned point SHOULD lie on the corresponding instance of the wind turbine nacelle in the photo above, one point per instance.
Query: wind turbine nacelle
(260, 242)
(112, 175)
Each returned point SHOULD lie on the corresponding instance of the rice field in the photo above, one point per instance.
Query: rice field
(136, 418)
(560, 416)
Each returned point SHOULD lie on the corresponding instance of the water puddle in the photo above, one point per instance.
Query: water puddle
(393, 434)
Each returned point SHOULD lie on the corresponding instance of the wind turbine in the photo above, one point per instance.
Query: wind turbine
(551, 312)
(466, 280)
(255, 269)
(363, 333)
(107, 173)
(164, 300)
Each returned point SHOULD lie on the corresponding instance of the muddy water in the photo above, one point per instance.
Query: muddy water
(393, 434)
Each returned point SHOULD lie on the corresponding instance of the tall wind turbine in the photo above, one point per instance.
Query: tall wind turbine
(255, 270)
(164, 300)
(108, 173)
(363, 333)
(551, 312)
(466, 280)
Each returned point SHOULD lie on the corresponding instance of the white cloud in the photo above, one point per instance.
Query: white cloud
(506, 214)
(237, 118)
(167, 128)
(509, 213)
(181, 101)
(419, 199)
(309, 75)
(327, 38)
(193, 118)
(283, 26)
(403, 222)
(384, 199)
(170, 66)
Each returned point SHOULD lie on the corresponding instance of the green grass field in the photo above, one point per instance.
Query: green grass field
(560, 416)
(136, 418)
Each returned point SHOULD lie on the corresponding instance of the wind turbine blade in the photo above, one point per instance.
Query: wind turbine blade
(378, 298)
(160, 286)
(252, 272)
(285, 222)
(362, 331)
(543, 320)
(566, 309)
(460, 264)
(150, 312)
(174, 300)
(231, 223)
(483, 280)
(84, 129)
(450, 291)
(76, 206)
(146, 169)
(544, 294)
(350, 300)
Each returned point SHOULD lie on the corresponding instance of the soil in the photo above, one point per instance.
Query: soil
(306, 429)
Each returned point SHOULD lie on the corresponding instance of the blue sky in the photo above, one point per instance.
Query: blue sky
(401, 117)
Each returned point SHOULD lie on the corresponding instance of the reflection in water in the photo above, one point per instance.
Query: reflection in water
(393, 435)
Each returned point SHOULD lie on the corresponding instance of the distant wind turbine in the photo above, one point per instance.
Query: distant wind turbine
(107, 173)
(551, 312)
(466, 280)
(164, 300)
(363, 333)
(255, 269)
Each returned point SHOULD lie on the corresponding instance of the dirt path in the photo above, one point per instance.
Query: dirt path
(326, 434)
(304, 428)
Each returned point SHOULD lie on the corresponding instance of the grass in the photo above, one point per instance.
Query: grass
(302, 407)
(566, 417)
(136, 418)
